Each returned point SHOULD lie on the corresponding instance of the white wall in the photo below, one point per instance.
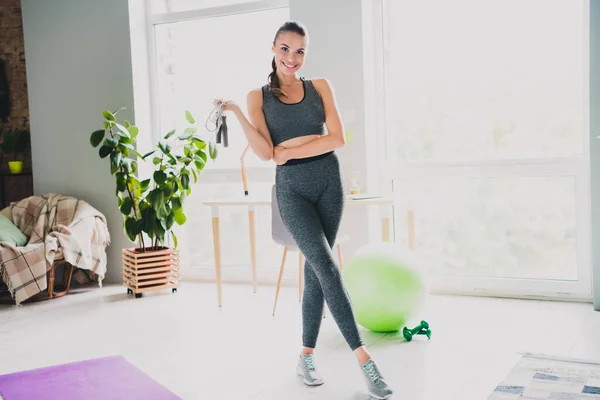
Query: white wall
(78, 58)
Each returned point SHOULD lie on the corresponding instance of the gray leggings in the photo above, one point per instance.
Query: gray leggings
(310, 195)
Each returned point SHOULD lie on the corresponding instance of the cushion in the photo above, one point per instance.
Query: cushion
(10, 233)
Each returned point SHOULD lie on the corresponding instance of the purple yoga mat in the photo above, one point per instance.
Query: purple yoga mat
(102, 378)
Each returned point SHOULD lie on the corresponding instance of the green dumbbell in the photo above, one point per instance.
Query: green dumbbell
(421, 329)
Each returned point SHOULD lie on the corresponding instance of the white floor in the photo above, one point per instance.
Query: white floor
(241, 351)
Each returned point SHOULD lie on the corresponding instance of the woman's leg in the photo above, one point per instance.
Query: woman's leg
(302, 217)
(312, 309)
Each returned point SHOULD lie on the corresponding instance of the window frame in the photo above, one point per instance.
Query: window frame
(384, 169)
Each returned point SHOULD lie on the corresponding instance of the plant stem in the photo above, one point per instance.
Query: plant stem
(133, 202)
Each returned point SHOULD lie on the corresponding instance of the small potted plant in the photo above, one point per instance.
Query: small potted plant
(150, 207)
(15, 141)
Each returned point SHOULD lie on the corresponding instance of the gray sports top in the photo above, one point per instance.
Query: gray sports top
(287, 121)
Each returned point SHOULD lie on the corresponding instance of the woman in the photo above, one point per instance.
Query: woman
(287, 124)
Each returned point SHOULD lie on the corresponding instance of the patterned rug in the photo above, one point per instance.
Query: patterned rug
(550, 378)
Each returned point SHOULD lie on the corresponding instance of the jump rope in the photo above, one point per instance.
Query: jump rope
(217, 122)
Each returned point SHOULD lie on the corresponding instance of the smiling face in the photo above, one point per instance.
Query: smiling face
(290, 51)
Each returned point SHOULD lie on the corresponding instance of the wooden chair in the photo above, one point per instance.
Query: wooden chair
(282, 237)
(55, 289)
(63, 287)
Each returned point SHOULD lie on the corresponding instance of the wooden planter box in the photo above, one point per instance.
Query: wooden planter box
(151, 270)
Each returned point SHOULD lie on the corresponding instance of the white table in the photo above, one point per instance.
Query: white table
(252, 202)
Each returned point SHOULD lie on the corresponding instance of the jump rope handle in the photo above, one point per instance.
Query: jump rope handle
(222, 134)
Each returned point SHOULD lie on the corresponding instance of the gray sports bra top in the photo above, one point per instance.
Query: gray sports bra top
(287, 121)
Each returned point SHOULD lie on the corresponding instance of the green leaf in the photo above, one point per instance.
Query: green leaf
(149, 218)
(200, 144)
(179, 216)
(148, 154)
(129, 146)
(160, 177)
(195, 176)
(168, 135)
(199, 164)
(175, 203)
(189, 132)
(145, 183)
(133, 131)
(139, 226)
(115, 161)
(126, 206)
(202, 155)
(131, 228)
(185, 181)
(168, 190)
(156, 160)
(109, 116)
(96, 137)
(164, 147)
(174, 240)
(127, 166)
(122, 131)
(163, 212)
(111, 142)
(170, 220)
(186, 160)
(127, 124)
(119, 110)
(105, 151)
(121, 181)
(189, 118)
(159, 231)
(157, 198)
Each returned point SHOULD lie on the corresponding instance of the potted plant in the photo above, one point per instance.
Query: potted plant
(15, 141)
(150, 207)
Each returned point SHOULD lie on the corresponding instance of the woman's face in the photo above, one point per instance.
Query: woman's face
(289, 50)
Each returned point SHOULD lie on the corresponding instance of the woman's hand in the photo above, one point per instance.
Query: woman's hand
(229, 105)
(280, 155)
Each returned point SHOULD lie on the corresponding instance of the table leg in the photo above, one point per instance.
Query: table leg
(251, 219)
(385, 229)
(217, 249)
(411, 229)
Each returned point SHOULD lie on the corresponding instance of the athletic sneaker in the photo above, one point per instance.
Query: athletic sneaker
(306, 368)
(378, 387)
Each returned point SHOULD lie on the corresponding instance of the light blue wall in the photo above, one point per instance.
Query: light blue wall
(78, 58)
(335, 52)
(595, 145)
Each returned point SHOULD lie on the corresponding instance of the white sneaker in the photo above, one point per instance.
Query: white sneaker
(306, 368)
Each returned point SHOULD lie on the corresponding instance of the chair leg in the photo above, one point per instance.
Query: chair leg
(300, 275)
(340, 259)
(51, 281)
(285, 250)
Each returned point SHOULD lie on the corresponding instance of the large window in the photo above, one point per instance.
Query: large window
(220, 55)
(486, 108)
(202, 50)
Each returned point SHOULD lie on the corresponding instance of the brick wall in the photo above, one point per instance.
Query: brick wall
(12, 51)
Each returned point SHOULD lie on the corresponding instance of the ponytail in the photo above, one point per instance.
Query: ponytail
(274, 85)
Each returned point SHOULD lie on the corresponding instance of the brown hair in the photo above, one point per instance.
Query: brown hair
(289, 26)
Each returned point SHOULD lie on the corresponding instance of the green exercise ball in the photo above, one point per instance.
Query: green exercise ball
(386, 285)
